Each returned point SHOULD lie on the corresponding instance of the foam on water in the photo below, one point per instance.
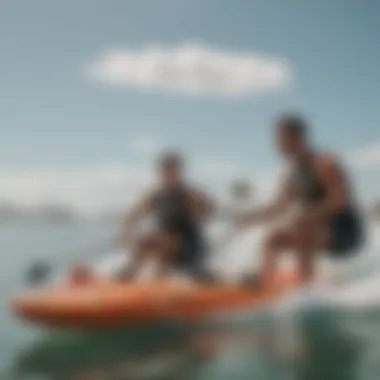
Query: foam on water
(354, 284)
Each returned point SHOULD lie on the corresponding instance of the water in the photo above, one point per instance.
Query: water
(332, 334)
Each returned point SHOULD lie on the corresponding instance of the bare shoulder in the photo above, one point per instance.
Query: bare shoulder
(327, 161)
(328, 165)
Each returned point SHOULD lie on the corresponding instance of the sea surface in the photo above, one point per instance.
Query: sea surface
(330, 332)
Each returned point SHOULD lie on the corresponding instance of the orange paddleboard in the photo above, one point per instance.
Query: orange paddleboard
(111, 304)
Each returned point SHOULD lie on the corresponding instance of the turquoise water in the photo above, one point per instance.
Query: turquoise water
(312, 343)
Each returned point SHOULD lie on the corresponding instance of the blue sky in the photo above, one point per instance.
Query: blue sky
(54, 114)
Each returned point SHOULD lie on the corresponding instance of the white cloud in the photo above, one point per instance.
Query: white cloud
(191, 69)
(365, 158)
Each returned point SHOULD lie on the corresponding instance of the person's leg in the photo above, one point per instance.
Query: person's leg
(309, 240)
(160, 246)
(304, 240)
(168, 247)
(274, 244)
(140, 253)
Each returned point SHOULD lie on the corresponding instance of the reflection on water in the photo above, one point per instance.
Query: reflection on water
(330, 351)
(63, 354)
(306, 347)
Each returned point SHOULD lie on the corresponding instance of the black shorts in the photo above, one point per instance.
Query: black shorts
(190, 255)
(190, 259)
(346, 233)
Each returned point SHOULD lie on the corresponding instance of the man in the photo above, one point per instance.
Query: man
(179, 212)
(327, 218)
(177, 241)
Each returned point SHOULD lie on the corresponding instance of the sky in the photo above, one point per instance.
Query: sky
(91, 90)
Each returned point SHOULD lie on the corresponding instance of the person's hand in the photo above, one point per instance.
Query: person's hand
(80, 275)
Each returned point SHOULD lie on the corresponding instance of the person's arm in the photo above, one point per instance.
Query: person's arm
(271, 211)
(133, 216)
(335, 186)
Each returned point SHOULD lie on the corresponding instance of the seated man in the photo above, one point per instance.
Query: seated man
(328, 219)
(179, 212)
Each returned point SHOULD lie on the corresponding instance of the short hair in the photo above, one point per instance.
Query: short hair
(170, 157)
(294, 124)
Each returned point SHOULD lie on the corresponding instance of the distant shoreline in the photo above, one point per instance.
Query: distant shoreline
(50, 213)
(55, 213)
